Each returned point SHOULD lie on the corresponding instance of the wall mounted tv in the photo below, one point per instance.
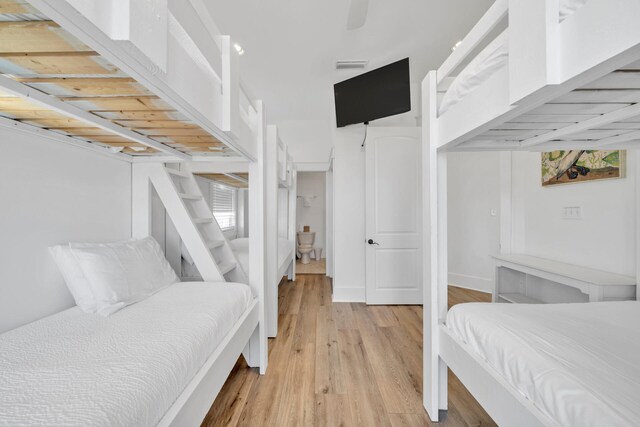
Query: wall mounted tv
(379, 93)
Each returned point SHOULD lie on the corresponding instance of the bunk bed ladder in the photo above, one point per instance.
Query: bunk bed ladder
(196, 225)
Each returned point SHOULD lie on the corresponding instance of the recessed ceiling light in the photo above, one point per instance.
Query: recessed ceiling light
(455, 46)
(239, 49)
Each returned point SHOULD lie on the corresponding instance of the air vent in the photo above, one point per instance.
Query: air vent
(350, 65)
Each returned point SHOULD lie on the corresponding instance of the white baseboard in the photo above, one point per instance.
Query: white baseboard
(349, 295)
(473, 283)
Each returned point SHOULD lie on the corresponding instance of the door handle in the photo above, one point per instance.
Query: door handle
(371, 242)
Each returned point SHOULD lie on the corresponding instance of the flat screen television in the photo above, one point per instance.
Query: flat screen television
(379, 93)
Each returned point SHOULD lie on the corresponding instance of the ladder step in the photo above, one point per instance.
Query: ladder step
(178, 173)
(215, 244)
(226, 267)
(202, 220)
(186, 196)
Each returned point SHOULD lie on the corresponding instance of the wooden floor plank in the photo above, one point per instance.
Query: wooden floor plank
(329, 376)
(333, 410)
(341, 364)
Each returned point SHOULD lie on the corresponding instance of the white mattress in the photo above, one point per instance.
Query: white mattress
(241, 250)
(493, 58)
(578, 363)
(79, 369)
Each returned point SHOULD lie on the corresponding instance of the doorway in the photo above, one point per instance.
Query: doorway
(311, 223)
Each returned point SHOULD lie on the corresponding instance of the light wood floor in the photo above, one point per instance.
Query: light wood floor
(314, 267)
(340, 365)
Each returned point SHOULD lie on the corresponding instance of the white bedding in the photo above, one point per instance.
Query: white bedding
(493, 58)
(79, 369)
(578, 363)
(241, 249)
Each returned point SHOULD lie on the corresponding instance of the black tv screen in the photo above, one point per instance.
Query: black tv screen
(379, 93)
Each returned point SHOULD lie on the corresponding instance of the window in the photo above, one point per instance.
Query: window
(223, 202)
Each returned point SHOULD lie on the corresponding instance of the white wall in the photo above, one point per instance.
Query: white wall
(52, 193)
(474, 234)
(605, 237)
(313, 184)
(309, 141)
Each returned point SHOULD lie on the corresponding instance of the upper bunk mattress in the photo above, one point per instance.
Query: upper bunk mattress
(79, 369)
(488, 62)
(577, 363)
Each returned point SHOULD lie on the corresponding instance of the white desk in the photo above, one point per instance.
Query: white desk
(529, 279)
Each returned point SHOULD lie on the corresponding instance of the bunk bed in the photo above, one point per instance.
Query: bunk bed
(560, 75)
(280, 216)
(287, 193)
(74, 77)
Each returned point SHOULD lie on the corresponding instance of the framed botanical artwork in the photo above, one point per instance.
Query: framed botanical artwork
(573, 166)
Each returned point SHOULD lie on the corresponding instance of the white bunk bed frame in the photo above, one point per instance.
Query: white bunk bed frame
(239, 123)
(548, 61)
(280, 175)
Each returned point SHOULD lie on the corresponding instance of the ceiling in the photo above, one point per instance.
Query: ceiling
(291, 45)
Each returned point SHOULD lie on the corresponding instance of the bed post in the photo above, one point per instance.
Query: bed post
(291, 225)
(533, 43)
(271, 229)
(434, 184)
(140, 201)
(256, 351)
(635, 163)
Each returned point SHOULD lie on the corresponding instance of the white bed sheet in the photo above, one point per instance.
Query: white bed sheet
(241, 250)
(79, 369)
(493, 58)
(577, 363)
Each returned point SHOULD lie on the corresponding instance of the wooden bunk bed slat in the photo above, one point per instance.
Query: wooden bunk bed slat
(172, 132)
(37, 36)
(140, 115)
(89, 87)
(27, 64)
(16, 7)
(120, 103)
(156, 124)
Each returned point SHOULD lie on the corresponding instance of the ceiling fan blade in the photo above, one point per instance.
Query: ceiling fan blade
(357, 14)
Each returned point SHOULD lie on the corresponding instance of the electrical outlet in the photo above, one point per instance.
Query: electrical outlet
(493, 212)
(572, 212)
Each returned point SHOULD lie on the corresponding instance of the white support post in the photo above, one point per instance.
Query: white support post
(434, 173)
(533, 42)
(635, 162)
(141, 195)
(256, 351)
(506, 211)
(291, 232)
(271, 206)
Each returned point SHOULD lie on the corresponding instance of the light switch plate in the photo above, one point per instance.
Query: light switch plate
(572, 212)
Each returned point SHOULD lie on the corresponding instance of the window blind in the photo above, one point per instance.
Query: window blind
(223, 205)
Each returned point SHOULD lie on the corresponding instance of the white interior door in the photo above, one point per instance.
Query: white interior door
(393, 220)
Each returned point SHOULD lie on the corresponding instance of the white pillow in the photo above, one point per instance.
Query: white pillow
(74, 278)
(123, 273)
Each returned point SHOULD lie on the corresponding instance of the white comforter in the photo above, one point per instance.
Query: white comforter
(78, 369)
(578, 363)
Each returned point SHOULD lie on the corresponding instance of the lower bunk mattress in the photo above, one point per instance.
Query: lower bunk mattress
(79, 369)
(577, 363)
